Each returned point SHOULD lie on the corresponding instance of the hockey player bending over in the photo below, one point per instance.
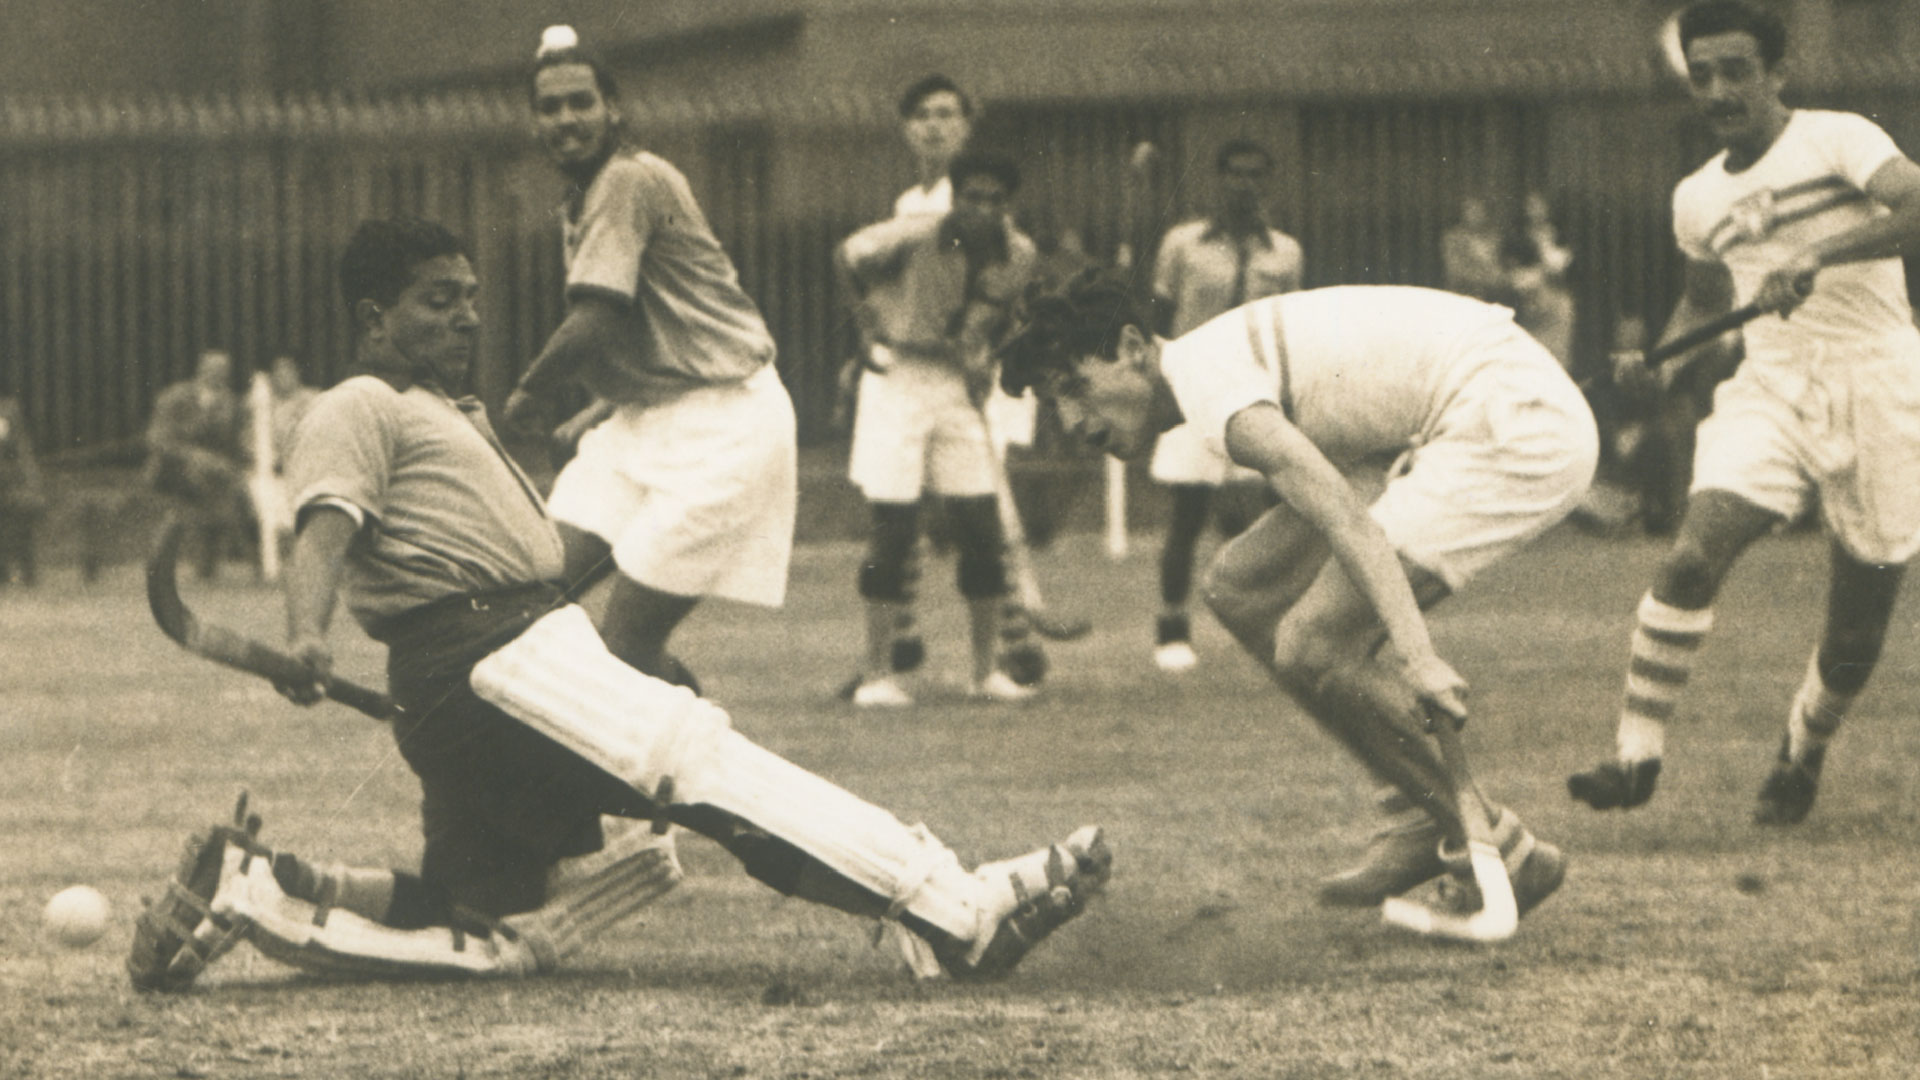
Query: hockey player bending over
(1473, 438)
(521, 726)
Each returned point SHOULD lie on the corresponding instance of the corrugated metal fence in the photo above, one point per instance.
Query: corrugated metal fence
(131, 235)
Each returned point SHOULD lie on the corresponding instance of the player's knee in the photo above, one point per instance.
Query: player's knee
(1847, 659)
(887, 574)
(981, 569)
(1304, 661)
(1235, 604)
(1690, 576)
(981, 575)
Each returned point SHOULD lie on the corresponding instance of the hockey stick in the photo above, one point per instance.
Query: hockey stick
(1136, 224)
(1499, 913)
(263, 487)
(224, 646)
(1026, 580)
(1700, 335)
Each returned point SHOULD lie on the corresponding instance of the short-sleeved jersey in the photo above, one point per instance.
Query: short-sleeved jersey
(637, 234)
(1810, 184)
(1359, 369)
(446, 511)
(1204, 270)
(918, 282)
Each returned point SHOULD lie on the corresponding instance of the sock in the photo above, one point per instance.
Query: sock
(1816, 712)
(367, 893)
(1665, 640)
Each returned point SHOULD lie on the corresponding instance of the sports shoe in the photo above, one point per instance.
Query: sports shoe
(175, 938)
(1613, 785)
(1398, 858)
(1048, 888)
(999, 687)
(885, 692)
(1173, 644)
(1175, 657)
(1787, 795)
(1534, 867)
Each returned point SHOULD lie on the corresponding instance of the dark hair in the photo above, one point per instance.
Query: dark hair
(602, 76)
(1234, 148)
(1733, 17)
(1084, 317)
(929, 86)
(381, 257)
(984, 163)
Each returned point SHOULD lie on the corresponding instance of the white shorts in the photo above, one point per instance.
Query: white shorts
(1182, 456)
(1844, 426)
(696, 496)
(1512, 454)
(1013, 418)
(916, 428)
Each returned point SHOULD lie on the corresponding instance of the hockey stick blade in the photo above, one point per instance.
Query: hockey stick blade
(1058, 628)
(224, 646)
(1700, 335)
(1499, 914)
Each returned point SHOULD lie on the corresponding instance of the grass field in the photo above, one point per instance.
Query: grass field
(1686, 943)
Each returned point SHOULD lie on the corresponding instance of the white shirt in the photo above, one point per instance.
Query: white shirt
(1359, 369)
(1809, 185)
(937, 199)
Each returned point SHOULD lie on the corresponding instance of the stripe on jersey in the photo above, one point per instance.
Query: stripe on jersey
(1789, 204)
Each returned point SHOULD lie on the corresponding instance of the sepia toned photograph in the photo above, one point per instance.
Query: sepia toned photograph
(1006, 541)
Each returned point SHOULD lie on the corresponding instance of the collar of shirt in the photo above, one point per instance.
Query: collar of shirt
(403, 381)
(1261, 236)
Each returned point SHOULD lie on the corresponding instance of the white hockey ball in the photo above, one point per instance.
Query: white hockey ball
(77, 916)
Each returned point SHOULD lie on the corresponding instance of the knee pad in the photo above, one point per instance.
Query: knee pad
(981, 570)
(681, 751)
(888, 573)
(1846, 670)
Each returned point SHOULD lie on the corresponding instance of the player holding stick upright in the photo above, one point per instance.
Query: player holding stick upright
(1204, 268)
(1498, 445)
(933, 293)
(689, 483)
(520, 724)
(1804, 214)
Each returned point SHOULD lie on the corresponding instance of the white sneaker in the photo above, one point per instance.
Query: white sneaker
(999, 686)
(882, 693)
(1175, 657)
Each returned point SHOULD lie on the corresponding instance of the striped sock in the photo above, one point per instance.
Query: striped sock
(1816, 713)
(1665, 639)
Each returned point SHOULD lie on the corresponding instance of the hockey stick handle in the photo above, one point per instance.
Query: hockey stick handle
(1700, 335)
(245, 654)
(1014, 533)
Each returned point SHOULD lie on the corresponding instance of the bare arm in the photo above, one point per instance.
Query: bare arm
(1260, 437)
(1706, 292)
(853, 286)
(312, 586)
(590, 329)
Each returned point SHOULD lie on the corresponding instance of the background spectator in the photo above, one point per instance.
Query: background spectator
(195, 456)
(22, 497)
(1470, 253)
